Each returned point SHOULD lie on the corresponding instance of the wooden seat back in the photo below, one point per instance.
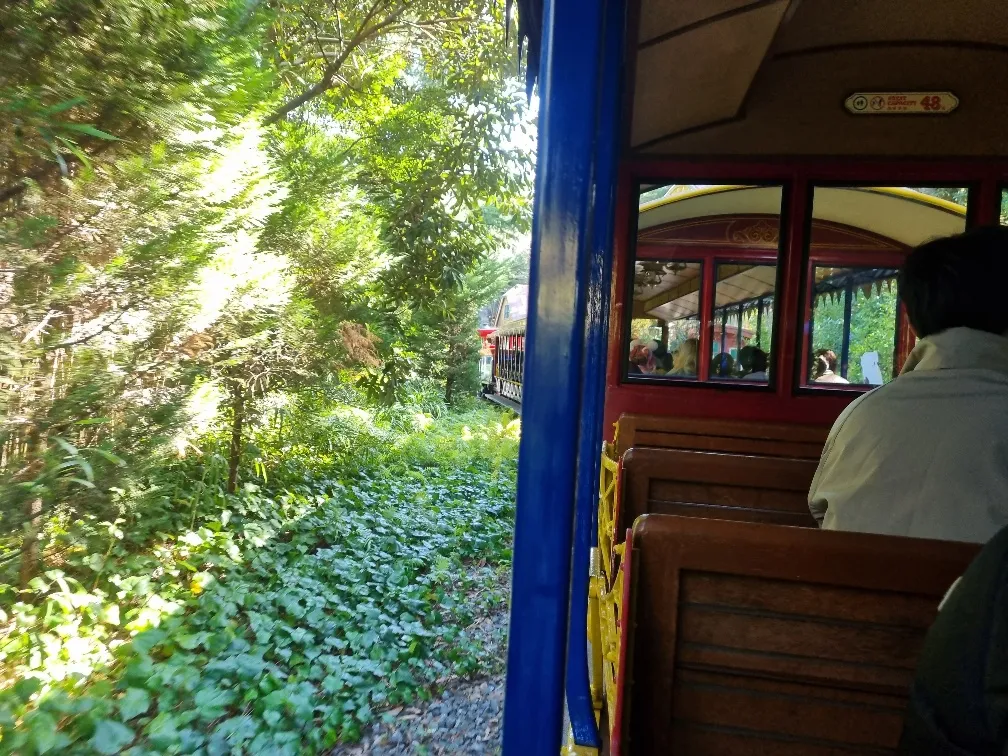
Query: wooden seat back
(777, 641)
(759, 472)
(752, 487)
(728, 436)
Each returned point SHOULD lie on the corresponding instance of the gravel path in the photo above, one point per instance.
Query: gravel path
(465, 719)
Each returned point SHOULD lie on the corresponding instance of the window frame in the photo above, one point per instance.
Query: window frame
(709, 260)
(761, 258)
(903, 337)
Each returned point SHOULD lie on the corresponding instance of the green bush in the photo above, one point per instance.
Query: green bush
(276, 620)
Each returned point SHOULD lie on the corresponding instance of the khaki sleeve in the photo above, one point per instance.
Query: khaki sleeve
(817, 504)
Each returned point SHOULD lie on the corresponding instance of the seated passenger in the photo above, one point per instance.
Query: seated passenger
(957, 704)
(684, 361)
(926, 455)
(757, 360)
(663, 360)
(722, 366)
(825, 368)
(641, 358)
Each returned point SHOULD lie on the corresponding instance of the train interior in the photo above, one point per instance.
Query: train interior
(779, 161)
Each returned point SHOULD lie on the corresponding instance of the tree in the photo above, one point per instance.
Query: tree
(446, 335)
(136, 165)
(348, 50)
(78, 78)
(873, 328)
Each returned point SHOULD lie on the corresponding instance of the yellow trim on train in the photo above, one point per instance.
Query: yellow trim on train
(911, 195)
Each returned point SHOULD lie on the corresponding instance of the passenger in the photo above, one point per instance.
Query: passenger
(684, 361)
(664, 364)
(641, 358)
(758, 365)
(663, 360)
(926, 455)
(825, 368)
(723, 366)
(957, 704)
(745, 356)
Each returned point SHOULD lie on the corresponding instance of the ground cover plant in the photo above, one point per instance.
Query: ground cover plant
(279, 619)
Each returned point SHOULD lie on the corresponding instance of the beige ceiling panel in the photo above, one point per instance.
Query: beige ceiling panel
(702, 75)
(761, 200)
(819, 23)
(659, 17)
(796, 107)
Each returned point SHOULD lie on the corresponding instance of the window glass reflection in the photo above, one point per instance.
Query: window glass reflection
(743, 321)
(665, 327)
(857, 334)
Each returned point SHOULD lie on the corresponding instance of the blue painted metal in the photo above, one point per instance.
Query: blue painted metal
(593, 373)
(551, 401)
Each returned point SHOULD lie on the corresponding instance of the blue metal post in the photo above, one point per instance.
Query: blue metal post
(558, 285)
(593, 374)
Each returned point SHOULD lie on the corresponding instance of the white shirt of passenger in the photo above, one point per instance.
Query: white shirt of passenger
(927, 454)
(829, 376)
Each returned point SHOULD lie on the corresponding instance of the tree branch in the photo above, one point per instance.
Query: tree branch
(87, 337)
(328, 80)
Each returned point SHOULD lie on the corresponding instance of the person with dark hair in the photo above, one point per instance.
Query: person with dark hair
(757, 368)
(825, 367)
(927, 454)
(722, 366)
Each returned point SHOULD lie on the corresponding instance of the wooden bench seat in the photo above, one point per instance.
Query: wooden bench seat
(752, 487)
(759, 639)
(758, 472)
(730, 436)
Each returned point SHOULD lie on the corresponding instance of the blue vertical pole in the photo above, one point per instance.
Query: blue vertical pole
(593, 374)
(558, 285)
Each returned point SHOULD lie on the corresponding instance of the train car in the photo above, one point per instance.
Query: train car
(725, 194)
(486, 359)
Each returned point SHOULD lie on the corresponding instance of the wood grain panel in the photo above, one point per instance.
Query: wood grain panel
(768, 448)
(760, 639)
(801, 637)
(730, 702)
(737, 513)
(702, 741)
(696, 433)
(717, 485)
(821, 601)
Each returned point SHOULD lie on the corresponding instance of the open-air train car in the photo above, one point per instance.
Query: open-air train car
(725, 193)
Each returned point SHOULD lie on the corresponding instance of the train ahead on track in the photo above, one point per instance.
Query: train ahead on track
(725, 194)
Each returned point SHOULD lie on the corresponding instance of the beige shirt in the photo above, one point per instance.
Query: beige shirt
(927, 454)
(830, 377)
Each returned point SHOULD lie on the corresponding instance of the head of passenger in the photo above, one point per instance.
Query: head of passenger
(826, 362)
(723, 365)
(745, 358)
(684, 361)
(956, 282)
(642, 356)
(759, 361)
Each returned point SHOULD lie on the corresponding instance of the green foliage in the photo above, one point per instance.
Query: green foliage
(281, 619)
(873, 329)
(209, 542)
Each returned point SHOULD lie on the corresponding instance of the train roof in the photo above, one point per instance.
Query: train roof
(907, 216)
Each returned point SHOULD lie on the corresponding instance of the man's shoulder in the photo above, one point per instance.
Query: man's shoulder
(866, 405)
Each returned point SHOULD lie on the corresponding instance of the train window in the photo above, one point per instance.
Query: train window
(666, 323)
(1004, 207)
(743, 321)
(703, 283)
(856, 332)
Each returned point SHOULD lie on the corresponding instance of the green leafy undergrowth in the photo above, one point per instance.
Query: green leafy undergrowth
(282, 626)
